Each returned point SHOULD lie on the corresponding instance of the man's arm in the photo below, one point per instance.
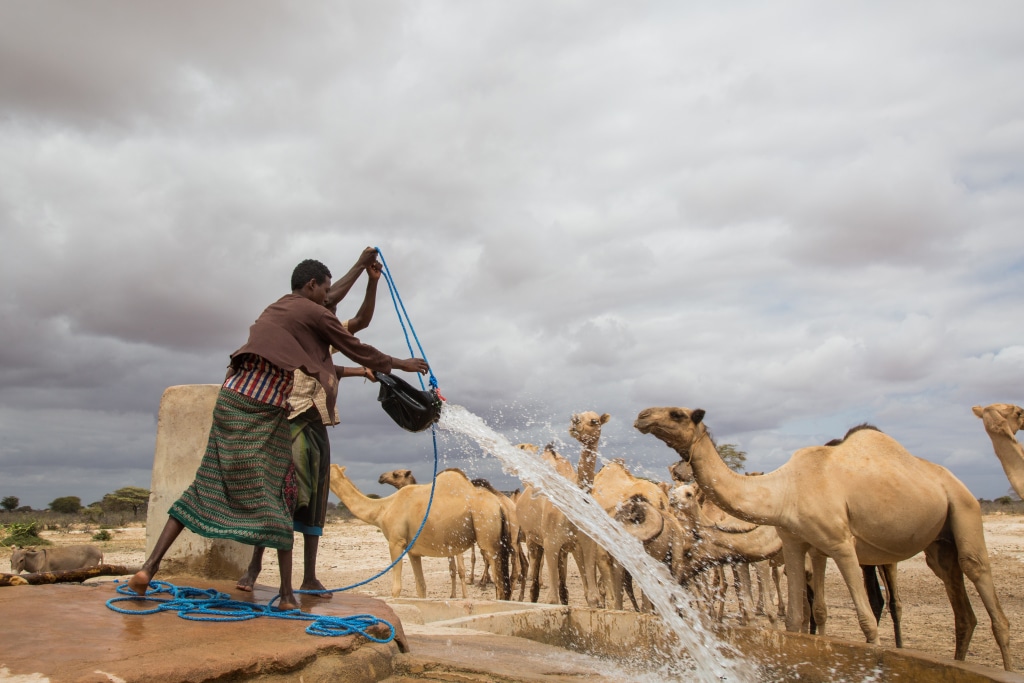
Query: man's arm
(365, 373)
(342, 285)
(364, 354)
(361, 320)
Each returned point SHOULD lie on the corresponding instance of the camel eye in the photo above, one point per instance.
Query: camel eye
(676, 415)
(594, 422)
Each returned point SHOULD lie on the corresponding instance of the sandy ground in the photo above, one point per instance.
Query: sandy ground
(352, 551)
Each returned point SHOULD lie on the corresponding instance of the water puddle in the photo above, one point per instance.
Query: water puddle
(701, 656)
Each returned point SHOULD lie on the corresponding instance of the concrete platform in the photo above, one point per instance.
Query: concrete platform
(65, 632)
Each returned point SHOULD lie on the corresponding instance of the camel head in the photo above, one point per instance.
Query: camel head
(641, 519)
(1004, 418)
(679, 428)
(686, 499)
(680, 472)
(586, 427)
(397, 478)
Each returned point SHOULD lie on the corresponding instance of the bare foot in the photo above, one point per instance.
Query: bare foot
(247, 581)
(140, 582)
(315, 585)
(287, 602)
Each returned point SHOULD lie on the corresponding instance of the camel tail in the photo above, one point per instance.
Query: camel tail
(504, 557)
(874, 590)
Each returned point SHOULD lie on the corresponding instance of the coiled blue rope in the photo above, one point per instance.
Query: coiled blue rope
(196, 604)
(211, 605)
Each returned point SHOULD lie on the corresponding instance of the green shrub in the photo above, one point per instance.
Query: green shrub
(102, 535)
(21, 534)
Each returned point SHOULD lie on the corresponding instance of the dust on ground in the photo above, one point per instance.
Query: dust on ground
(351, 552)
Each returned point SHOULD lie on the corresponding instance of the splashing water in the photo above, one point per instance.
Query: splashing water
(712, 659)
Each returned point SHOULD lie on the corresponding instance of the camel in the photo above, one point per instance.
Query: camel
(721, 539)
(461, 514)
(456, 568)
(611, 487)
(548, 532)
(1002, 422)
(864, 501)
(402, 478)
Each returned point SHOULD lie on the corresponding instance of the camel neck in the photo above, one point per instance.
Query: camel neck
(364, 508)
(1011, 455)
(748, 498)
(585, 470)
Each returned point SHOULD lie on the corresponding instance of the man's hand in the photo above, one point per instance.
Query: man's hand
(368, 256)
(373, 270)
(412, 365)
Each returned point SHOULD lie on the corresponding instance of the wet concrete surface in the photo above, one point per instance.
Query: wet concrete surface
(66, 632)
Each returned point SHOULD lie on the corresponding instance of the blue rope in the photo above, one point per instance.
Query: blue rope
(196, 604)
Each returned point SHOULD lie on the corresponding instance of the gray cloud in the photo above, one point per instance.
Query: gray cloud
(797, 219)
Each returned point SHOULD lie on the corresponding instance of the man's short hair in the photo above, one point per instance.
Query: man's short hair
(310, 269)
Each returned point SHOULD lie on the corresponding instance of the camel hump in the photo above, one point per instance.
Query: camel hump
(853, 430)
(455, 469)
(484, 484)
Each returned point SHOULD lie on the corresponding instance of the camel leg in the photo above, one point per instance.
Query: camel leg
(536, 553)
(942, 560)
(578, 555)
(761, 576)
(523, 564)
(396, 571)
(819, 608)
(764, 591)
(472, 565)
(845, 557)
(417, 571)
(741, 582)
(452, 571)
(586, 555)
(558, 588)
(895, 604)
(718, 590)
(795, 551)
(969, 535)
(460, 569)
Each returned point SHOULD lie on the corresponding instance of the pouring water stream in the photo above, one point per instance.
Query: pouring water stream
(712, 659)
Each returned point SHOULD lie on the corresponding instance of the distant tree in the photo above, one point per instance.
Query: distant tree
(1012, 493)
(1003, 500)
(128, 498)
(66, 504)
(732, 456)
(9, 503)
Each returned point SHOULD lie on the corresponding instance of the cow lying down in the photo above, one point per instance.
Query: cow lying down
(58, 559)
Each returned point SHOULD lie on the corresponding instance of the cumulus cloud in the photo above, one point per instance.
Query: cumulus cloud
(797, 219)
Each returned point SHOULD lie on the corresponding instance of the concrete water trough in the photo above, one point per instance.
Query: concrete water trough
(620, 645)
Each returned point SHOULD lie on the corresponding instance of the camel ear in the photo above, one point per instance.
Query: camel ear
(697, 415)
(605, 418)
(978, 410)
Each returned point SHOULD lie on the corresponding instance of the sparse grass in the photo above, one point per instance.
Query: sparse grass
(1004, 505)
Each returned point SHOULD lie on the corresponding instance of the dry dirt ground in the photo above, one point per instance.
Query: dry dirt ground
(352, 551)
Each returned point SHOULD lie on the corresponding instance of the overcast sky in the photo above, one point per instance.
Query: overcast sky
(796, 216)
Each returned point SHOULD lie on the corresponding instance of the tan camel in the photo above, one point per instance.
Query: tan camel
(721, 539)
(1002, 422)
(548, 532)
(456, 567)
(461, 514)
(864, 501)
(611, 488)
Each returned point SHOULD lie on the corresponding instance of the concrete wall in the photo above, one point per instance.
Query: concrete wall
(183, 427)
